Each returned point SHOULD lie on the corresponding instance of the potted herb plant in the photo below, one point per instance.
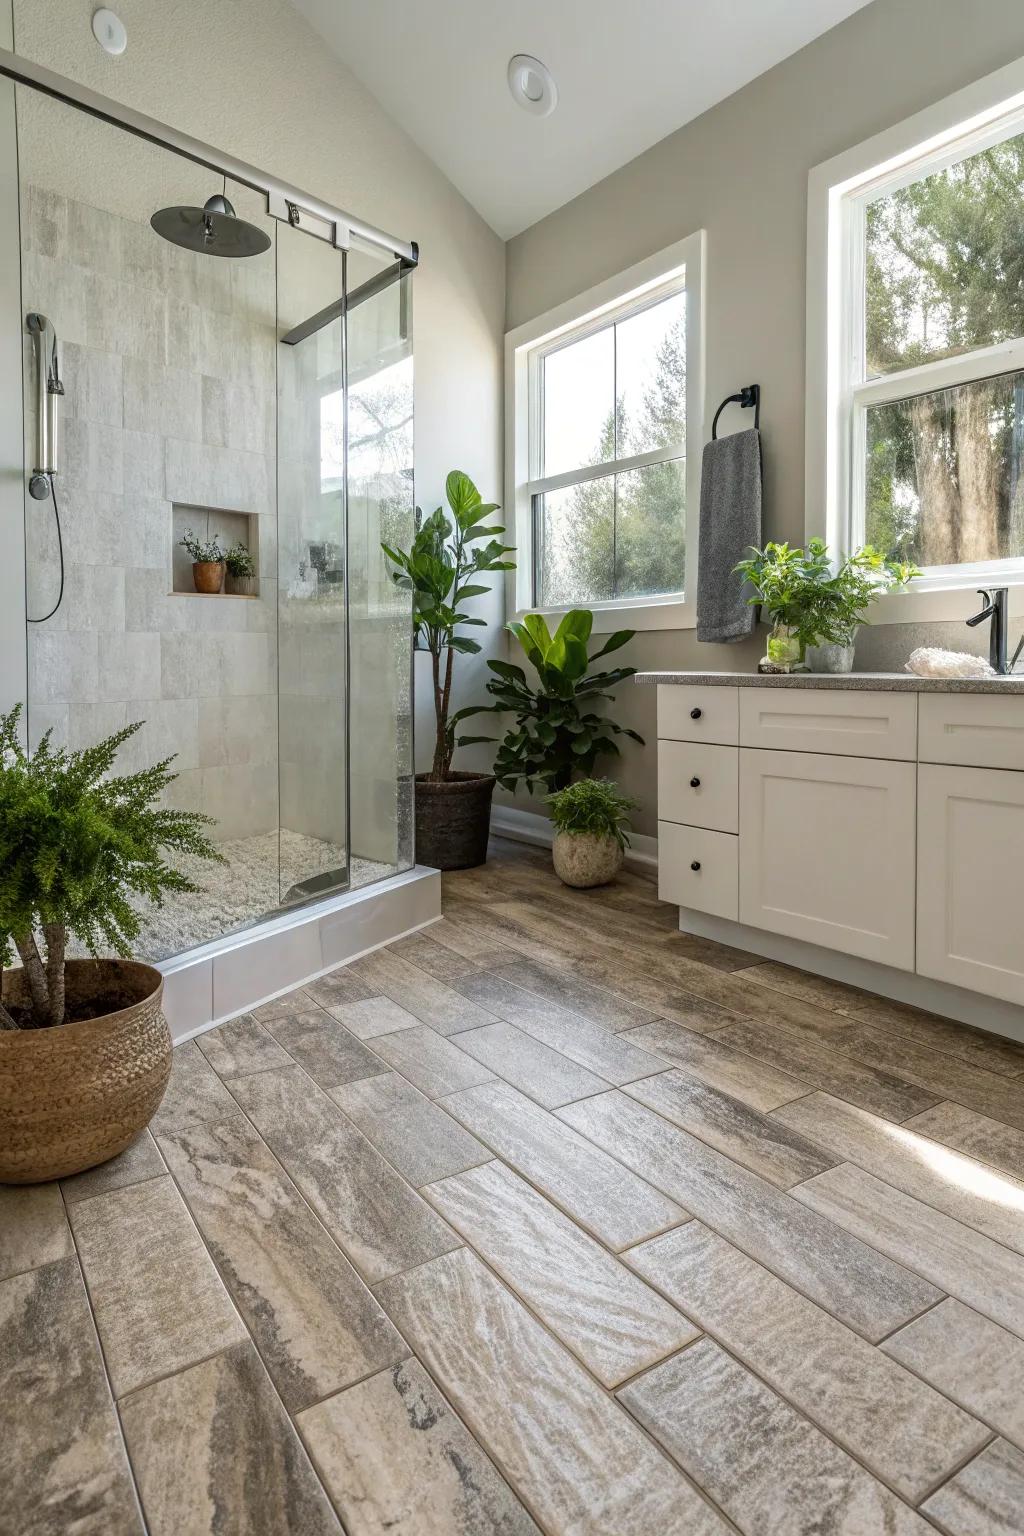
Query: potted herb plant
(836, 602)
(85, 1052)
(591, 825)
(207, 563)
(557, 734)
(780, 576)
(441, 570)
(240, 567)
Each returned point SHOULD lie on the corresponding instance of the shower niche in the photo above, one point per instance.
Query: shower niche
(231, 532)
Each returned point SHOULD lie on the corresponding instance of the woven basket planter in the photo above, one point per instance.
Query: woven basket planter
(453, 820)
(79, 1093)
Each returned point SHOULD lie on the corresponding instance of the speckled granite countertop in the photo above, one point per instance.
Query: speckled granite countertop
(883, 682)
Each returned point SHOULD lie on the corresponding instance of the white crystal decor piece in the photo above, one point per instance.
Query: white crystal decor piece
(931, 661)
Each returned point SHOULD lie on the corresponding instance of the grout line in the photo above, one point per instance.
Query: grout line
(965, 1461)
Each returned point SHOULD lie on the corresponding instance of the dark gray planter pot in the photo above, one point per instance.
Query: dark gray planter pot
(453, 820)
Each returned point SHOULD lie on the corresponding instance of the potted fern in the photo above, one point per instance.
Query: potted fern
(591, 821)
(441, 570)
(85, 1051)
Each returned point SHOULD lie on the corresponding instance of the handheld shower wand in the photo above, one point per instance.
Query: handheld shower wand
(48, 392)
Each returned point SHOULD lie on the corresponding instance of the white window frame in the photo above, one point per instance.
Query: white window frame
(525, 347)
(837, 399)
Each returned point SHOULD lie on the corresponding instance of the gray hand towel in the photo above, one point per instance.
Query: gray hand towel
(730, 522)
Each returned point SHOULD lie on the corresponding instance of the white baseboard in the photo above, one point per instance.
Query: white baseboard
(528, 827)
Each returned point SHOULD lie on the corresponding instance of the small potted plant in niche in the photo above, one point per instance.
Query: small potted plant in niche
(591, 825)
(440, 570)
(85, 1052)
(207, 563)
(240, 580)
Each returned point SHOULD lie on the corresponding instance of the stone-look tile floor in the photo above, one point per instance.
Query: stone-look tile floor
(549, 1218)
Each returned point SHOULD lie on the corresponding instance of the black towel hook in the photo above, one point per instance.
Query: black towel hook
(749, 395)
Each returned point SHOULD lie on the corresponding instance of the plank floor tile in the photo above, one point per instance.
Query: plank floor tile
(720, 1064)
(986, 1498)
(33, 1227)
(138, 1162)
(371, 1212)
(591, 1187)
(373, 1016)
(583, 1040)
(159, 1303)
(964, 1129)
(824, 1066)
(194, 1093)
(597, 1003)
(64, 1463)
(328, 1051)
(246, 1468)
(807, 987)
(820, 1258)
(963, 1263)
(758, 1142)
(437, 1066)
(340, 986)
(433, 1002)
(770, 1470)
(607, 1316)
(970, 1359)
(297, 1001)
(567, 1449)
(764, 1005)
(962, 1188)
(463, 940)
(416, 1135)
(943, 1076)
(437, 960)
(975, 1046)
(534, 1068)
(314, 1322)
(905, 1432)
(398, 1462)
(241, 1046)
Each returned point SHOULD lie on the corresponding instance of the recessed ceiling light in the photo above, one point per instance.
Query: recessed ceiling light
(532, 85)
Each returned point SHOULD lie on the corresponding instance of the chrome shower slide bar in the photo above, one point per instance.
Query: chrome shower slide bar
(26, 72)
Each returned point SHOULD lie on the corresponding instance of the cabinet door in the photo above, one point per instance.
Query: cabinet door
(970, 832)
(827, 851)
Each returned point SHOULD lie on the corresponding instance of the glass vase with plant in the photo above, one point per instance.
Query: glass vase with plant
(556, 734)
(780, 576)
(591, 821)
(441, 571)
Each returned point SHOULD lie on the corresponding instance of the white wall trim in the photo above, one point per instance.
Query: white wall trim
(528, 827)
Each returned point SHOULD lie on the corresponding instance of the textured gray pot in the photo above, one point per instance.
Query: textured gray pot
(831, 658)
(583, 859)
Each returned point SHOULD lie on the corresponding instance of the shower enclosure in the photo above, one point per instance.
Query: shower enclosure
(262, 401)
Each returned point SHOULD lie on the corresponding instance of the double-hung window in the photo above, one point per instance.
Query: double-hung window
(604, 433)
(917, 341)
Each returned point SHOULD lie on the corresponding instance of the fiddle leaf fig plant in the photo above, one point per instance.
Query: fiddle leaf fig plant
(440, 569)
(557, 735)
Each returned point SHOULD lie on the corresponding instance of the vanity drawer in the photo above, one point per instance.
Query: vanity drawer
(973, 730)
(699, 784)
(713, 885)
(846, 722)
(698, 714)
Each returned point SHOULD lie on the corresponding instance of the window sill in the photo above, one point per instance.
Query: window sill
(924, 604)
(641, 614)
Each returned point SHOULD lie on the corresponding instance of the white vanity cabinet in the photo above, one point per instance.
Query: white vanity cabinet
(885, 825)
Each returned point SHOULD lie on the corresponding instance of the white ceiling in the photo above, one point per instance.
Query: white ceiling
(627, 75)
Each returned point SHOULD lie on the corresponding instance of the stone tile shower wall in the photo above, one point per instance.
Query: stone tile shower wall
(168, 361)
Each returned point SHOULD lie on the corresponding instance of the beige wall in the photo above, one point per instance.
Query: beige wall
(250, 77)
(740, 172)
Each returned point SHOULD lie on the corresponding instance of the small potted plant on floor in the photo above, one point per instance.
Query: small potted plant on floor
(85, 1051)
(240, 566)
(591, 821)
(441, 571)
(207, 563)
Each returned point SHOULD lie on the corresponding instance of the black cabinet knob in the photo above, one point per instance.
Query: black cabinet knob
(696, 713)
(695, 865)
(695, 782)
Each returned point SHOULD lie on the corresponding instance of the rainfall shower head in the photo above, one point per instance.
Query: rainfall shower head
(214, 228)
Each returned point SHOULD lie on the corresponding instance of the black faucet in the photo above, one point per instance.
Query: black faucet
(994, 609)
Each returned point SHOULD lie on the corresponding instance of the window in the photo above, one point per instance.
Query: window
(605, 430)
(921, 327)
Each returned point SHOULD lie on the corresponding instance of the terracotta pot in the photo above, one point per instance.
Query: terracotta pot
(453, 820)
(582, 859)
(77, 1094)
(208, 575)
